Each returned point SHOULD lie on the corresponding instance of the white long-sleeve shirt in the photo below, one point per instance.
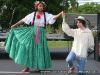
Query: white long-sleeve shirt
(39, 22)
(82, 40)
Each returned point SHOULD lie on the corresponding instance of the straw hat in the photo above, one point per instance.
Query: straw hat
(80, 18)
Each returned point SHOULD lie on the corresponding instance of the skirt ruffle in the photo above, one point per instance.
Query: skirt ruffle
(21, 46)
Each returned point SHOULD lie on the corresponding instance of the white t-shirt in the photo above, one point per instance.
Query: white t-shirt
(39, 22)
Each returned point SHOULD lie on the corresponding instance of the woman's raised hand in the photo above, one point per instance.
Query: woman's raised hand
(63, 16)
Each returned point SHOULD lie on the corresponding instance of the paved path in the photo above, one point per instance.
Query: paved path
(58, 55)
(59, 67)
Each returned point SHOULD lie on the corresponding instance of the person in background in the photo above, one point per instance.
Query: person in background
(83, 39)
(27, 46)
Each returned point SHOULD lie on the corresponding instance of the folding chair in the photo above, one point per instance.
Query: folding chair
(90, 51)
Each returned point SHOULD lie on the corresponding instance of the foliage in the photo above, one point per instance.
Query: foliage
(94, 32)
(88, 8)
(74, 4)
(15, 11)
(50, 30)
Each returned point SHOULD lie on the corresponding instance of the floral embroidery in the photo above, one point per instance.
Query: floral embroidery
(38, 16)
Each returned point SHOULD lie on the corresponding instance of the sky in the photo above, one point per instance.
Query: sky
(85, 1)
(96, 0)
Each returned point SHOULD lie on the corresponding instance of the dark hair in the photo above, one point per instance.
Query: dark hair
(39, 2)
(83, 22)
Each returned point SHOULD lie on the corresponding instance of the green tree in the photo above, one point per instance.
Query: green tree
(88, 8)
(74, 4)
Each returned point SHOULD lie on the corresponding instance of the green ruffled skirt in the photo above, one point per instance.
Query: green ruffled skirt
(21, 46)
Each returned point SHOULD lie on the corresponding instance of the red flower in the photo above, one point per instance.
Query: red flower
(35, 6)
(38, 16)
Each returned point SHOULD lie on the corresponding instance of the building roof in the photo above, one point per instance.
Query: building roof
(92, 18)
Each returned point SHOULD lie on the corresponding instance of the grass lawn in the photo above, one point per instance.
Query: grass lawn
(58, 44)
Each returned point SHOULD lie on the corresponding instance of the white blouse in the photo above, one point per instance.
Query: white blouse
(82, 40)
(39, 22)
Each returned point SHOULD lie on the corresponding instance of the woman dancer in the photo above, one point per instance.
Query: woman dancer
(28, 45)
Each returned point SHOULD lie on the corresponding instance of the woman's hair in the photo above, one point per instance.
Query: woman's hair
(39, 2)
(83, 22)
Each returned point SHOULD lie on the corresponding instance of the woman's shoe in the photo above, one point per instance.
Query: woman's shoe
(37, 70)
(25, 70)
(71, 70)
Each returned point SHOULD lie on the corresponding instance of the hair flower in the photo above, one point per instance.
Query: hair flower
(38, 16)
